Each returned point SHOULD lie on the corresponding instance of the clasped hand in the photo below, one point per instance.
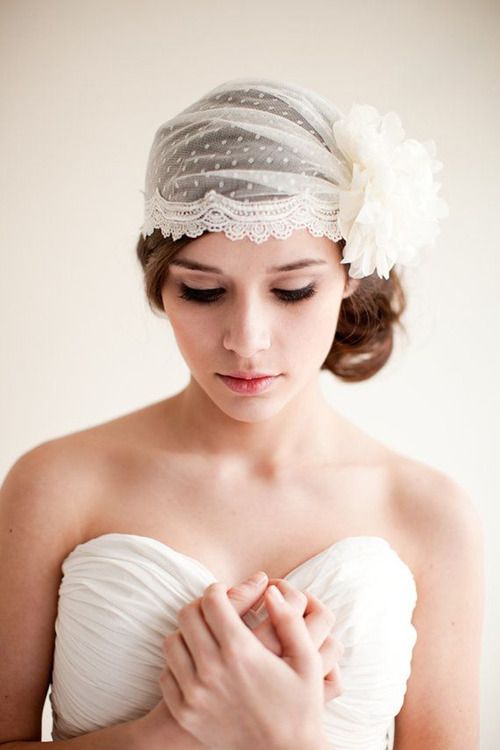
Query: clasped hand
(232, 688)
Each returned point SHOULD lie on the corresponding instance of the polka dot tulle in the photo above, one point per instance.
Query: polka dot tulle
(252, 142)
(227, 151)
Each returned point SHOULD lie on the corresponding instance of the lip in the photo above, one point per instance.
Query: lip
(248, 386)
(247, 374)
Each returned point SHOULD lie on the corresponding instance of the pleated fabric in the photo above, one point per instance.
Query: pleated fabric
(119, 597)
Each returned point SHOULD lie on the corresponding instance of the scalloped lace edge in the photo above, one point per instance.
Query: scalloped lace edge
(258, 220)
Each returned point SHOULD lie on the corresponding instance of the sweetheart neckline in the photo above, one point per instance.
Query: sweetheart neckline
(331, 548)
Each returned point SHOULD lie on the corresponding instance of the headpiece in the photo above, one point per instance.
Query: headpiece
(258, 158)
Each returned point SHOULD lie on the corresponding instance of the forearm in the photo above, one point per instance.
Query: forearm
(321, 743)
(313, 741)
(126, 736)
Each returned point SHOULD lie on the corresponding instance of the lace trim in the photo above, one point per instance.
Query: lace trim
(258, 220)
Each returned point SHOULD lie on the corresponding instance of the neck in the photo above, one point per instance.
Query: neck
(301, 433)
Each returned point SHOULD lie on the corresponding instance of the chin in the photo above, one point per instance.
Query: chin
(251, 409)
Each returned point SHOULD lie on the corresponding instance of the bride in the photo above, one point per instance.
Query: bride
(126, 548)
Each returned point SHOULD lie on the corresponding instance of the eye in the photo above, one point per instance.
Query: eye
(296, 295)
(208, 296)
(205, 296)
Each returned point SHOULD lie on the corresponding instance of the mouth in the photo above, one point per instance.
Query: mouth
(242, 375)
(248, 386)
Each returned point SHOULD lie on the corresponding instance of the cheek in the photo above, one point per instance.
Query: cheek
(314, 327)
(311, 328)
(195, 334)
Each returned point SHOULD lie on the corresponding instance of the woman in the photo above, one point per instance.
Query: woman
(271, 230)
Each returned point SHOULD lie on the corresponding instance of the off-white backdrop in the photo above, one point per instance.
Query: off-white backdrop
(84, 86)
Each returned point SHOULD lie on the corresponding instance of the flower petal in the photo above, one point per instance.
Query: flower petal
(390, 209)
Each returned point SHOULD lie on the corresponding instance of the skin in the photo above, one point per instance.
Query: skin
(250, 328)
(202, 689)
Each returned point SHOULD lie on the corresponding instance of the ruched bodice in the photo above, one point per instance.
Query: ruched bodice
(119, 597)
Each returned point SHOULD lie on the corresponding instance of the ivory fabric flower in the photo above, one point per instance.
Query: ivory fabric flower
(390, 209)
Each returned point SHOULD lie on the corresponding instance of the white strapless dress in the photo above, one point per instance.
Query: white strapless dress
(119, 597)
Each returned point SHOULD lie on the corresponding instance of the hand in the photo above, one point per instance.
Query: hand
(329, 648)
(229, 691)
(159, 724)
(158, 727)
(313, 610)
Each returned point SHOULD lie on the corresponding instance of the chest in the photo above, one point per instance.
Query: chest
(235, 524)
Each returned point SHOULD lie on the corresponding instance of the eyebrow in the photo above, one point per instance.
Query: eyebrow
(195, 266)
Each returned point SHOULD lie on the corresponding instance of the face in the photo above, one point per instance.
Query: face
(245, 314)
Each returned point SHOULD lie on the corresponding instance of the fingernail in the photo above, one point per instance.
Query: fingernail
(276, 594)
(253, 580)
(257, 577)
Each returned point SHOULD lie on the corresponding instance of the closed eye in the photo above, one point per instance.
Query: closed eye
(208, 296)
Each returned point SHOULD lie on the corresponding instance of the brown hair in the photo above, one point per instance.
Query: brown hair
(364, 336)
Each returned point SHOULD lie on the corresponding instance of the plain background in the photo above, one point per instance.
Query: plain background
(84, 87)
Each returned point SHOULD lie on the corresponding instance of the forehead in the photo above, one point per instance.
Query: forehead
(223, 255)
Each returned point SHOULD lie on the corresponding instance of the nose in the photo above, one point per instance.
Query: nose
(247, 328)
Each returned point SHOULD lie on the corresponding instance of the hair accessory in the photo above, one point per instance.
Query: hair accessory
(258, 158)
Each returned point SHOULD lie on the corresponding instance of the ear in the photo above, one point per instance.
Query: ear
(350, 286)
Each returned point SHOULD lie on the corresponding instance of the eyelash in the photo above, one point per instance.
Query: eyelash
(209, 296)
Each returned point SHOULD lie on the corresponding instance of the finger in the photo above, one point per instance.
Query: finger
(319, 619)
(179, 659)
(297, 646)
(332, 685)
(293, 595)
(334, 675)
(245, 594)
(331, 654)
(265, 631)
(197, 635)
(222, 619)
(171, 692)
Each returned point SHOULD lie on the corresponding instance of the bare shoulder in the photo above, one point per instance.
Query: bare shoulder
(439, 512)
(58, 483)
(430, 512)
(54, 482)
(40, 523)
(44, 513)
(43, 492)
(441, 706)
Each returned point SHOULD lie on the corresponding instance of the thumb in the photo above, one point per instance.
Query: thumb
(244, 595)
(297, 647)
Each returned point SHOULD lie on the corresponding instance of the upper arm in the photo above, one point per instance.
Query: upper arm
(37, 529)
(441, 708)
